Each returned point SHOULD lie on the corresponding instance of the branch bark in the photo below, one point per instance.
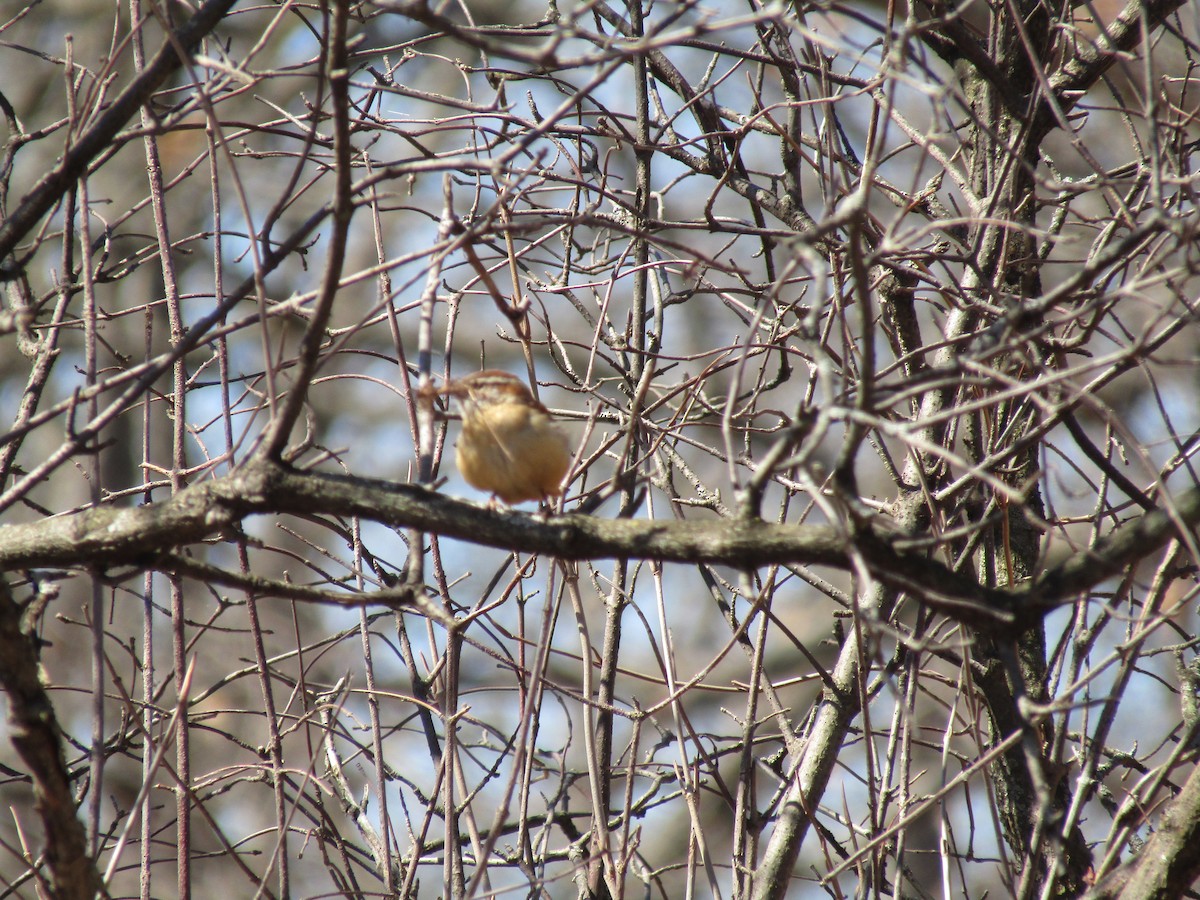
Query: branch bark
(1169, 863)
(109, 536)
(37, 737)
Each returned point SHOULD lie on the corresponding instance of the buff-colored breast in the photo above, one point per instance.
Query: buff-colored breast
(514, 451)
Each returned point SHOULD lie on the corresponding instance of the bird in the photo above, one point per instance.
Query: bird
(510, 445)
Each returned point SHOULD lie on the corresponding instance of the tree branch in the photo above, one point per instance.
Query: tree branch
(1083, 70)
(99, 137)
(1169, 863)
(110, 536)
(37, 736)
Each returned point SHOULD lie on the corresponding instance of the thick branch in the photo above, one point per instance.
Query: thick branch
(36, 735)
(1082, 71)
(112, 537)
(1169, 863)
(1111, 554)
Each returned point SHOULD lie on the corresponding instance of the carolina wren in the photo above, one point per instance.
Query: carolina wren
(509, 445)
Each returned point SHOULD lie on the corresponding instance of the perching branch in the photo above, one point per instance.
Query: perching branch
(137, 536)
